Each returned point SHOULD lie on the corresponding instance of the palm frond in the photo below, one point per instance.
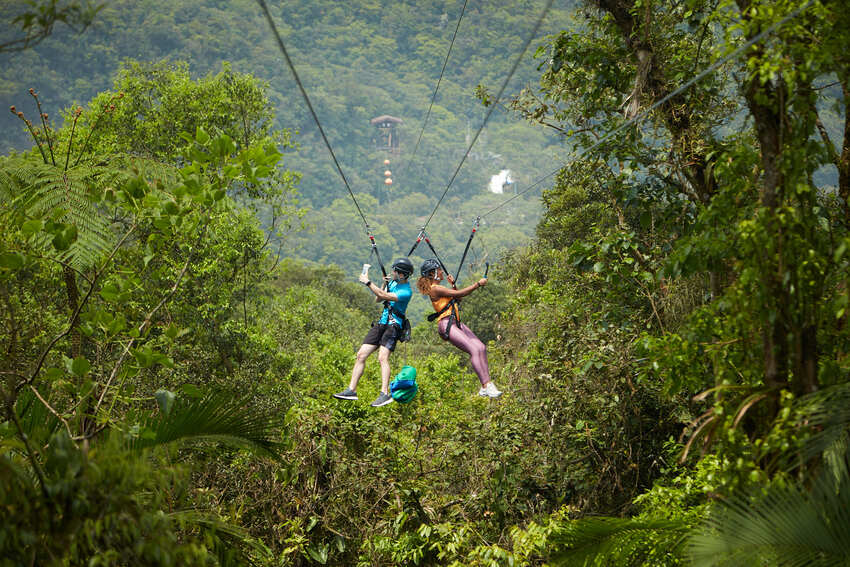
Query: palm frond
(218, 416)
(36, 420)
(789, 527)
(14, 475)
(826, 414)
(616, 541)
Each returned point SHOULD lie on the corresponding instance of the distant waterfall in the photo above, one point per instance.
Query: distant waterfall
(498, 182)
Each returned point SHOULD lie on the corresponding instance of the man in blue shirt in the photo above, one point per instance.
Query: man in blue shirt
(384, 334)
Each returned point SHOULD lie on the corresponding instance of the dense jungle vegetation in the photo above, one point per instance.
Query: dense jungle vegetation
(670, 332)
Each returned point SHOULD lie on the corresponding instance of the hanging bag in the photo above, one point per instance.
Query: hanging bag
(403, 388)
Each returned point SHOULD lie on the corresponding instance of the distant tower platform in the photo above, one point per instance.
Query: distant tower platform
(388, 136)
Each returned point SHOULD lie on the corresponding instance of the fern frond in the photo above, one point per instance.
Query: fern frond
(151, 169)
(38, 190)
(15, 175)
(14, 475)
(8, 188)
(71, 193)
(219, 417)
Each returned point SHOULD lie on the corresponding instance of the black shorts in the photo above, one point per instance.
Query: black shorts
(383, 335)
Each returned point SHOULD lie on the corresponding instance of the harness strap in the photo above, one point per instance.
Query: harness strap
(418, 240)
(395, 312)
(375, 251)
(436, 314)
(453, 320)
(468, 242)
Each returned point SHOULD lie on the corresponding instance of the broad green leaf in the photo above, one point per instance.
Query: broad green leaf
(80, 366)
(201, 136)
(64, 239)
(165, 400)
(54, 373)
(30, 227)
(110, 292)
(191, 391)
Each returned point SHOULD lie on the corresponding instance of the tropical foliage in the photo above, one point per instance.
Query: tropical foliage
(178, 301)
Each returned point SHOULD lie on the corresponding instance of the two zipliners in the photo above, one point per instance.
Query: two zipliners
(384, 334)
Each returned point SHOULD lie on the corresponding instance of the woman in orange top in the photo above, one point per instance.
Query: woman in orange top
(448, 321)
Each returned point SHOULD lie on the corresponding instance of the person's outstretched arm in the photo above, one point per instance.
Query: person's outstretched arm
(438, 291)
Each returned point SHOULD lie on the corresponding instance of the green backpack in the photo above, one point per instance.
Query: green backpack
(403, 388)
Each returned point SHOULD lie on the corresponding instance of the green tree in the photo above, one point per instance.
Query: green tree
(686, 255)
(156, 102)
(129, 243)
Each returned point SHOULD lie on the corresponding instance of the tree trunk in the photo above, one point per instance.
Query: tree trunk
(844, 159)
(806, 360)
(676, 112)
(806, 316)
(10, 358)
(766, 106)
(73, 303)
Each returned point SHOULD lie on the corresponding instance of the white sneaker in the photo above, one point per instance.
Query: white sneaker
(489, 391)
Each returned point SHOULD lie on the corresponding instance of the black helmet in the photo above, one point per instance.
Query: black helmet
(429, 266)
(403, 266)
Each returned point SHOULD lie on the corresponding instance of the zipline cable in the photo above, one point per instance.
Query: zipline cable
(434, 96)
(465, 250)
(313, 112)
(482, 257)
(641, 115)
(493, 105)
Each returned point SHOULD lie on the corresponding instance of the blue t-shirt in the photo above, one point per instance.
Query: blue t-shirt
(402, 291)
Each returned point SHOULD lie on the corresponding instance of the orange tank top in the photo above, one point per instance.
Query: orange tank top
(441, 302)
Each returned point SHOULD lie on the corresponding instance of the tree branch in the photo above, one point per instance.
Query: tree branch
(53, 411)
(75, 315)
(143, 327)
(830, 147)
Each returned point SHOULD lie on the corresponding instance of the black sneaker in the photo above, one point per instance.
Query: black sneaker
(347, 394)
(382, 400)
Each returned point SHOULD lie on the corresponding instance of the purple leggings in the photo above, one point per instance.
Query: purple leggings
(463, 338)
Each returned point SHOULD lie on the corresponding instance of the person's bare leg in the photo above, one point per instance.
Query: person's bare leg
(360, 364)
(384, 359)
